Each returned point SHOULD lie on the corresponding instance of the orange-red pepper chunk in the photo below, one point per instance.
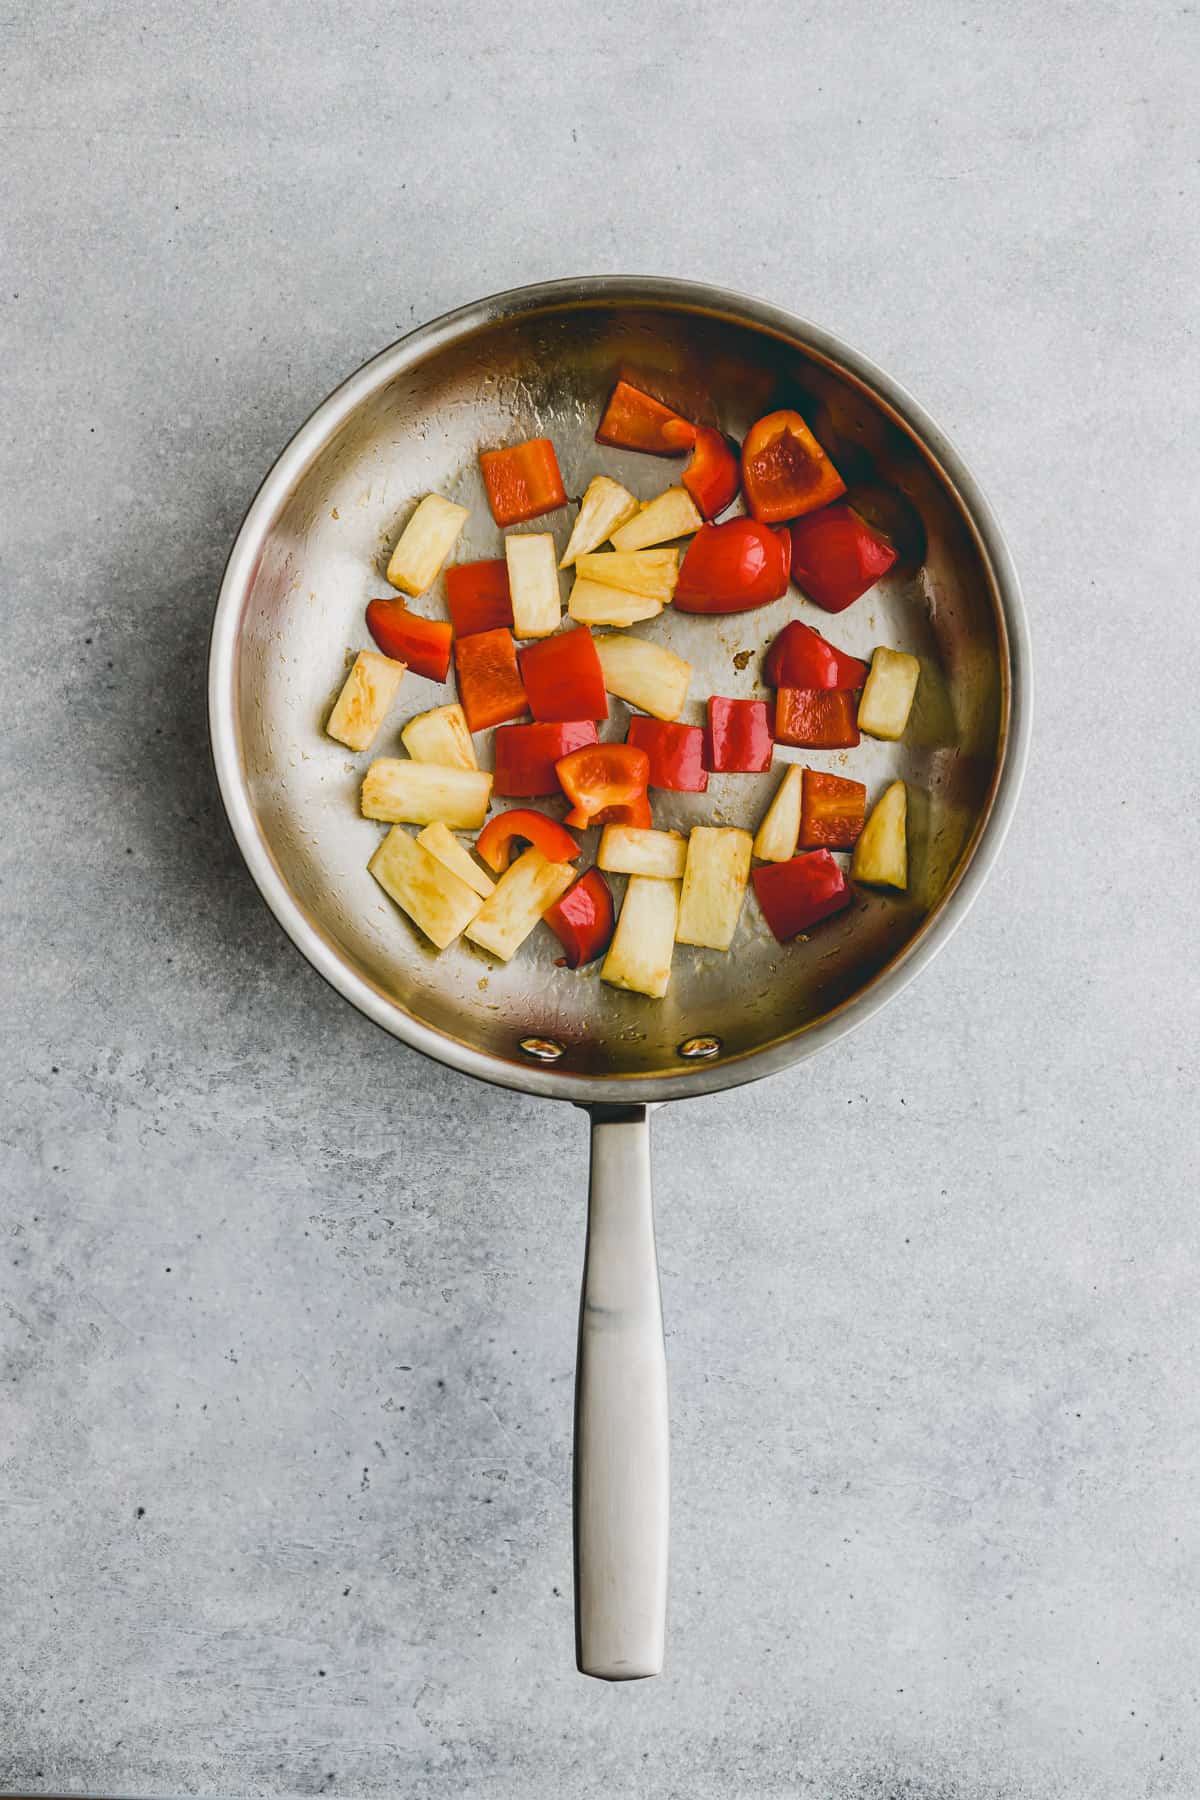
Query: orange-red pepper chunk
(522, 481)
(489, 682)
(832, 811)
(785, 472)
(637, 421)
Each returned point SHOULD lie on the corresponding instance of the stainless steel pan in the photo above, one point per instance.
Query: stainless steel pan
(313, 549)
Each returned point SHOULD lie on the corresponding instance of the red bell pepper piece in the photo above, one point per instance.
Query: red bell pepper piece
(738, 741)
(836, 556)
(477, 596)
(494, 843)
(563, 677)
(676, 753)
(714, 474)
(582, 920)
(816, 718)
(424, 644)
(489, 682)
(731, 567)
(526, 755)
(628, 812)
(798, 894)
(636, 421)
(606, 784)
(832, 811)
(522, 481)
(785, 472)
(801, 658)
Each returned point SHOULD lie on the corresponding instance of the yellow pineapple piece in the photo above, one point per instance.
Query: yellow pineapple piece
(425, 543)
(670, 515)
(887, 694)
(591, 603)
(441, 842)
(366, 695)
(434, 898)
(779, 832)
(533, 583)
(651, 573)
(639, 957)
(440, 736)
(881, 853)
(714, 885)
(423, 793)
(633, 850)
(523, 893)
(605, 505)
(647, 675)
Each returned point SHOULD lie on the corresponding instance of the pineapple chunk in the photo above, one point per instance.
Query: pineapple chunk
(779, 832)
(605, 506)
(714, 885)
(440, 736)
(434, 898)
(647, 675)
(631, 850)
(423, 793)
(639, 957)
(523, 893)
(671, 515)
(533, 580)
(881, 853)
(362, 705)
(652, 573)
(593, 604)
(425, 543)
(887, 694)
(441, 842)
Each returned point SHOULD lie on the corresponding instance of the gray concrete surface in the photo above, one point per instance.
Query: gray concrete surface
(286, 1314)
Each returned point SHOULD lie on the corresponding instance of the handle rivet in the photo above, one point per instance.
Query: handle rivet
(694, 1048)
(543, 1049)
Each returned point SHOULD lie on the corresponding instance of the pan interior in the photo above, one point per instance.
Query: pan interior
(548, 373)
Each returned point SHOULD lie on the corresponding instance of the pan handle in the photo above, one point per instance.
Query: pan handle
(621, 1478)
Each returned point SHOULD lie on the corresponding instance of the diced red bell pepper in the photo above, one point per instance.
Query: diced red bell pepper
(603, 783)
(522, 481)
(801, 658)
(477, 596)
(738, 741)
(563, 677)
(836, 556)
(714, 474)
(489, 682)
(798, 894)
(424, 644)
(832, 811)
(636, 421)
(526, 755)
(494, 843)
(785, 472)
(816, 718)
(676, 753)
(731, 567)
(582, 920)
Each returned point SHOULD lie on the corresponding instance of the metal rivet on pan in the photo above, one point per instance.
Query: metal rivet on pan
(696, 1047)
(543, 1049)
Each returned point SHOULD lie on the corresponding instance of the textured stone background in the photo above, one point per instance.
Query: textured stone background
(286, 1314)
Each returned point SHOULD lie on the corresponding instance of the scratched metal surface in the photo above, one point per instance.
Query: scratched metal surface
(548, 375)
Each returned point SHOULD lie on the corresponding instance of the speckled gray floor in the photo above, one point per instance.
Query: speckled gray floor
(286, 1314)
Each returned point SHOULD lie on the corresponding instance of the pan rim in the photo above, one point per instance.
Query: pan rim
(307, 935)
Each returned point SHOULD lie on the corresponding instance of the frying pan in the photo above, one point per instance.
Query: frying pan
(313, 549)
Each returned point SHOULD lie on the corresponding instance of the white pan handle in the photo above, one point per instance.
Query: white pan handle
(621, 1476)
